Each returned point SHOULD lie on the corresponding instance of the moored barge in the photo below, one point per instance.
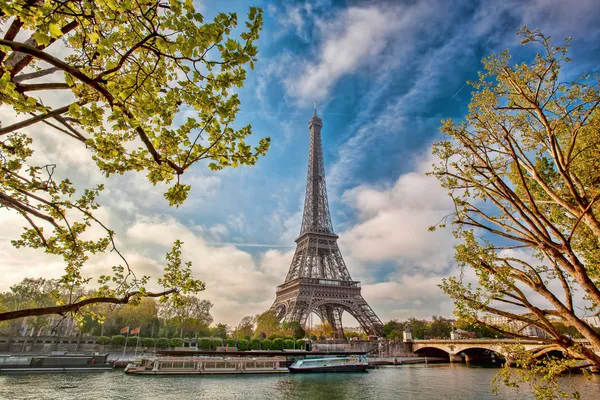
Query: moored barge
(207, 366)
(24, 364)
(331, 364)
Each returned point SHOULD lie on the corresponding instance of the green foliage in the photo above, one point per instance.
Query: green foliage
(255, 344)
(266, 344)
(162, 343)
(231, 342)
(242, 345)
(289, 344)
(277, 344)
(131, 74)
(132, 341)
(148, 342)
(522, 170)
(176, 342)
(118, 340)
(216, 342)
(300, 344)
(267, 324)
(103, 340)
(245, 328)
(293, 329)
(205, 343)
(219, 331)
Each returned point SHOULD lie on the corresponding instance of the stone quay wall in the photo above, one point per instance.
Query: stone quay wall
(46, 344)
(381, 348)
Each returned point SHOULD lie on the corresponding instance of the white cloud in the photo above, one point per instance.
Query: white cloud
(394, 221)
(350, 41)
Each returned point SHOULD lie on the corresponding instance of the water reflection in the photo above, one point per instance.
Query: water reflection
(418, 382)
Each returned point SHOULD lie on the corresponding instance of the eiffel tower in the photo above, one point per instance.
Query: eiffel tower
(318, 280)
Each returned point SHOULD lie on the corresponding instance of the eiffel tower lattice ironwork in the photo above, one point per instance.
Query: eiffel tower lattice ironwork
(318, 280)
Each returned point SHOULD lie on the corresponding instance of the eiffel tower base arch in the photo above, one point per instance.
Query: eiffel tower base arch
(328, 299)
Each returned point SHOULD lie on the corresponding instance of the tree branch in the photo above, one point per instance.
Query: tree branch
(74, 307)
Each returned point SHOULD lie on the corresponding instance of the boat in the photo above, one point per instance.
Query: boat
(53, 363)
(207, 366)
(331, 364)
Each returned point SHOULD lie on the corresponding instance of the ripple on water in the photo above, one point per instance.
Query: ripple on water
(417, 382)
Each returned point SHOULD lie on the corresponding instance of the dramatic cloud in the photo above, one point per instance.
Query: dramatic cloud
(393, 223)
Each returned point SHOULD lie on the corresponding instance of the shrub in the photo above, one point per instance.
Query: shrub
(242, 344)
(289, 344)
(162, 343)
(118, 340)
(132, 341)
(204, 343)
(216, 342)
(255, 344)
(176, 342)
(277, 344)
(103, 340)
(266, 344)
(148, 342)
(300, 344)
(232, 342)
(288, 337)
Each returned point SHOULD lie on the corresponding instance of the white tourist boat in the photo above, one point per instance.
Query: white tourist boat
(331, 364)
(207, 365)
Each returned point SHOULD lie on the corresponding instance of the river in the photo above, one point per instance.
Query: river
(441, 381)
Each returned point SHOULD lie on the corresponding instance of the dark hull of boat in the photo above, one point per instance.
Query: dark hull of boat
(54, 370)
(332, 368)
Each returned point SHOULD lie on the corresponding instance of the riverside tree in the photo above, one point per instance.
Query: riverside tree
(116, 78)
(523, 171)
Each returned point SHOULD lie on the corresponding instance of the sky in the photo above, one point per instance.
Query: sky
(383, 76)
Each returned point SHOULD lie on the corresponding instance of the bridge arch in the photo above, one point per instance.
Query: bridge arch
(432, 351)
(482, 354)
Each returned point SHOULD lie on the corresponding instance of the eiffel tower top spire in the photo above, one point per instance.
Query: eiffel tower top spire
(316, 217)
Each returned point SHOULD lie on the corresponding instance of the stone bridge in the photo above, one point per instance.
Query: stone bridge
(456, 349)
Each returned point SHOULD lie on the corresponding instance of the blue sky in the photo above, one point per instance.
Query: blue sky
(383, 75)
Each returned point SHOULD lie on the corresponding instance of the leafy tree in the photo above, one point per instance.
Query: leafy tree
(323, 331)
(143, 315)
(176, 342)
(267, 324)
(289, 344)
(266, 344)
(393, 329)
(439, 328)
(245, 328)
(523, 172)
(220, 331)
(416, 327)
(231, 342)
(130, 71)
(294, 329)
(481, 331)
(31, 293)
(148, 342)
(188, 314)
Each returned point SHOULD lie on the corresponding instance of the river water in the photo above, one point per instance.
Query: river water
(447, 382)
